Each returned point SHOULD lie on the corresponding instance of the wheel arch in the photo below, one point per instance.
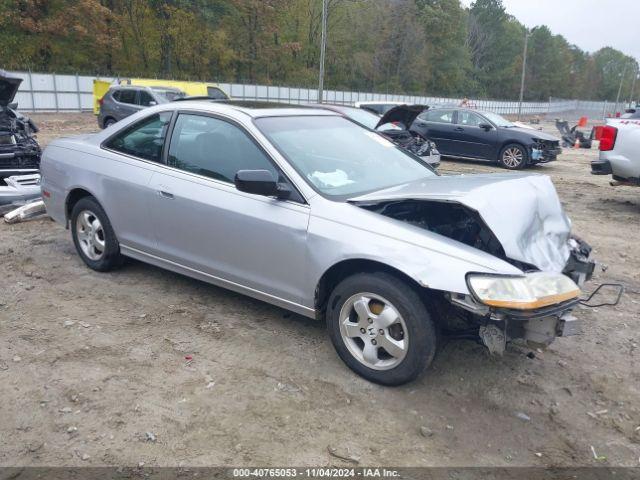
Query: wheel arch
(345, 268)
(73, 197)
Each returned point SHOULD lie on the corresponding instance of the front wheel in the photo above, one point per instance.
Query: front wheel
(381, 328)
(513, 156)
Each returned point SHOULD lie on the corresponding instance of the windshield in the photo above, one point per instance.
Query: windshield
(170, 95)
(498, 120)
(339, 158)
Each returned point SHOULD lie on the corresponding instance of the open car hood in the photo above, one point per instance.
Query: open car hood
(8, 87)
(523, 211)
(404, 114)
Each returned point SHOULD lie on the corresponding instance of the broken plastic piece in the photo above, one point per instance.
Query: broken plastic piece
(26, 212)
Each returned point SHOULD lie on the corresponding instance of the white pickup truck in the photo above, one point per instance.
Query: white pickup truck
(620, 152)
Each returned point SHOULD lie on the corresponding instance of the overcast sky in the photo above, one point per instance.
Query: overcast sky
(590, 24)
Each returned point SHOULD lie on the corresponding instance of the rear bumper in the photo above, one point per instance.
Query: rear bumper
(601, 167)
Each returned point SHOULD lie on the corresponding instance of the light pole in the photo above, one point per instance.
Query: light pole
(624, 70)
(323, 47)
(524, 68)
(633, 84)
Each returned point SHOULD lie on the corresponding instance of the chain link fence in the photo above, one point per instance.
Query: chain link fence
(49, 92)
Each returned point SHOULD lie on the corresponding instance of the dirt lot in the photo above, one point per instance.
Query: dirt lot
(93, 369)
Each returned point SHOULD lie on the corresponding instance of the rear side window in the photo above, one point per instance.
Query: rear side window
(214, 148)
(127, 96)
(216, 93)
(438, 116)
(144, 139)
(116, 95)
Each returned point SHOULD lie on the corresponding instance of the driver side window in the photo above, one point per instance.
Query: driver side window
(214, 148)
(143, 139)
(470, 119)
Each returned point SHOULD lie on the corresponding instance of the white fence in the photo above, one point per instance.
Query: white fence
(49, 92)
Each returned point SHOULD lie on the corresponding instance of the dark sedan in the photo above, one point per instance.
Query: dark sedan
(466, 133)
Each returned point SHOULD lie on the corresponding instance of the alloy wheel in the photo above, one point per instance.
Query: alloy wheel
(512, 157)
(90, 234)
(373, 331)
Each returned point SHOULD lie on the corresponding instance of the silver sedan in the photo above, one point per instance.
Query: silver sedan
(304, 209)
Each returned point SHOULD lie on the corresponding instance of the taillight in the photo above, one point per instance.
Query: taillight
(101, 101)
(608, 138)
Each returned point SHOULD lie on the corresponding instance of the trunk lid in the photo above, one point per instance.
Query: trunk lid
(523, 211)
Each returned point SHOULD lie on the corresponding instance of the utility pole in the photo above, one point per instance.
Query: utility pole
(524, 68)
(323, 47)
(624, 70)
(633, 84)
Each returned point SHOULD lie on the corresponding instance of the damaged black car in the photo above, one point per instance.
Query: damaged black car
(19, 149)
(472, 134)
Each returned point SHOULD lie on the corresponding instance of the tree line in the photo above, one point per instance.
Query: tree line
(432, 47)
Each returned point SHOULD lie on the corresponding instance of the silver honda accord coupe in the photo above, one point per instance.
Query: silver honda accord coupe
(302, 208)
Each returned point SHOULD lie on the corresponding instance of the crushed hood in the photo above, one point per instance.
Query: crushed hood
(404, 114)
(8, 87)
(523, 211)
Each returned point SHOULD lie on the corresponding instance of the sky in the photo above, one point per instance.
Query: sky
(589, 24)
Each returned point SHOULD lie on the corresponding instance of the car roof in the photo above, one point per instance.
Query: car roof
(255, 109)
(381, 103)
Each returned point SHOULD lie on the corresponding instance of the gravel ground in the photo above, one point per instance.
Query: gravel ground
(95, 368)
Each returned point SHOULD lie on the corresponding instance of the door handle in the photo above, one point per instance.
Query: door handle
(459, 129)
(165, 193)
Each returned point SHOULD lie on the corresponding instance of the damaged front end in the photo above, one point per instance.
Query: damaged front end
(403, 116)
(19, 149)
(517, 219)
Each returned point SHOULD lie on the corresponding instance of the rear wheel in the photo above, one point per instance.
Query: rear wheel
(513, 156)
(381, 328)
(93, 236)
(108, 122)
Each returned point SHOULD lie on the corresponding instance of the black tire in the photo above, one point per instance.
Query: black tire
(111, 257)
(504, 161)
(422, 336)
(108, 122)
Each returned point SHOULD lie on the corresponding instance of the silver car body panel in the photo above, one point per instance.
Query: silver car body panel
(277, 250)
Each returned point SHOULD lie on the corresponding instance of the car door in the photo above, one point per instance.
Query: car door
(127, 102)
(438, 125)
(204, 223)
(133, 155)
(473, 140)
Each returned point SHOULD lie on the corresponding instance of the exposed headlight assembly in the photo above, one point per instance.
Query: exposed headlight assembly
(530, 291)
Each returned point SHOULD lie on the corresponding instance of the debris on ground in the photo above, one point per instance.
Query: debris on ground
(150, 437)
(426, 432)
(343, 455)
(523, 416)
(26, 212)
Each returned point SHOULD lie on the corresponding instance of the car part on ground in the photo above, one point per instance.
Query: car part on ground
(477, 135)
(26, 212)
(18, 146)
(16, 190)
(419, 254)
(619, 152)
(572, 135)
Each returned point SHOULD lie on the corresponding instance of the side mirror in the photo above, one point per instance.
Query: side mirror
(153, 103)
(485, 126)
(13, 106)
(260, 182)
